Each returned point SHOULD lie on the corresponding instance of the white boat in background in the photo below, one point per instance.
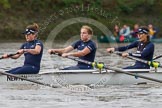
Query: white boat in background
(84, 77)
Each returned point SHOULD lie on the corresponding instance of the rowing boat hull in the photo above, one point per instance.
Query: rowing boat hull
(81, 77)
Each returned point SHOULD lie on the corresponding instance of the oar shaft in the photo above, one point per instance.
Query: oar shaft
(137, 59)
(74, 58)
(33, 81)
(133, 74)
(150, 63)
(79, 60)
(133, 58)
(159, 56)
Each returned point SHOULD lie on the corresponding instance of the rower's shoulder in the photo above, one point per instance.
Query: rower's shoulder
(151, 44)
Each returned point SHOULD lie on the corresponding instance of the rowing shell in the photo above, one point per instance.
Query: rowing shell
(84, 77)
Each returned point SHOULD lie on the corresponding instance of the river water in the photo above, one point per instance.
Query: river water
(112, 96)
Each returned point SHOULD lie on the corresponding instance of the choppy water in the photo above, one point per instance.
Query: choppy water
(114, 96)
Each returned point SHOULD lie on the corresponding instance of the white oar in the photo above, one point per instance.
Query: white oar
(101, 65)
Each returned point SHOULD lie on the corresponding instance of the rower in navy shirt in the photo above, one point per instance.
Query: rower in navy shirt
(145, 49)
(32, 50)
(86, 49)
(80, 45)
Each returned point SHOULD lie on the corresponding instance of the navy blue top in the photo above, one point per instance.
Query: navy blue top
(144, 51)
(30, 59)
(80, 45)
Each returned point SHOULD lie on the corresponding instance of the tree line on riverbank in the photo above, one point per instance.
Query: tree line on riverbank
(16, 14)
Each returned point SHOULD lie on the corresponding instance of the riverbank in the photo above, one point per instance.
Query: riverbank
(16, 15)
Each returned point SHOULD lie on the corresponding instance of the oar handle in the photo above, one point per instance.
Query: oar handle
(74, 58)
(56, 53)
(118, 53)
(99, 65)
(9, 55)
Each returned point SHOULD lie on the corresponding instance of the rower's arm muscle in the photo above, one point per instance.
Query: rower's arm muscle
(35, 51)
(16, 56)
(84, 52)
(64, 50)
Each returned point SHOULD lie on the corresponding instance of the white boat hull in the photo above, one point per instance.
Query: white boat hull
(81, 77)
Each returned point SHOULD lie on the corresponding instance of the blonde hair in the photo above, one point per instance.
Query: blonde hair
(34, 26)
(88, 28)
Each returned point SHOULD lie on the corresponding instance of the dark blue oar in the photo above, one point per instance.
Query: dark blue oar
(102, 66)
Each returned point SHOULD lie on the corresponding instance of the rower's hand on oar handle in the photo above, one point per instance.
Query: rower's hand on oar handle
(51, 51)
(66, 54)
(5, 56)
(21, 51)
(8, 55)
(110, 50)
(125, 54)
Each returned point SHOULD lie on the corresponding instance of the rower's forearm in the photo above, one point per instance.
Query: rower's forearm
(77, 54)
(60, 51)
(32, 51)
(15, 56)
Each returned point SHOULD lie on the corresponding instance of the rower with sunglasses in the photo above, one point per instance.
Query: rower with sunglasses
(32, 50)
(145, 49)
